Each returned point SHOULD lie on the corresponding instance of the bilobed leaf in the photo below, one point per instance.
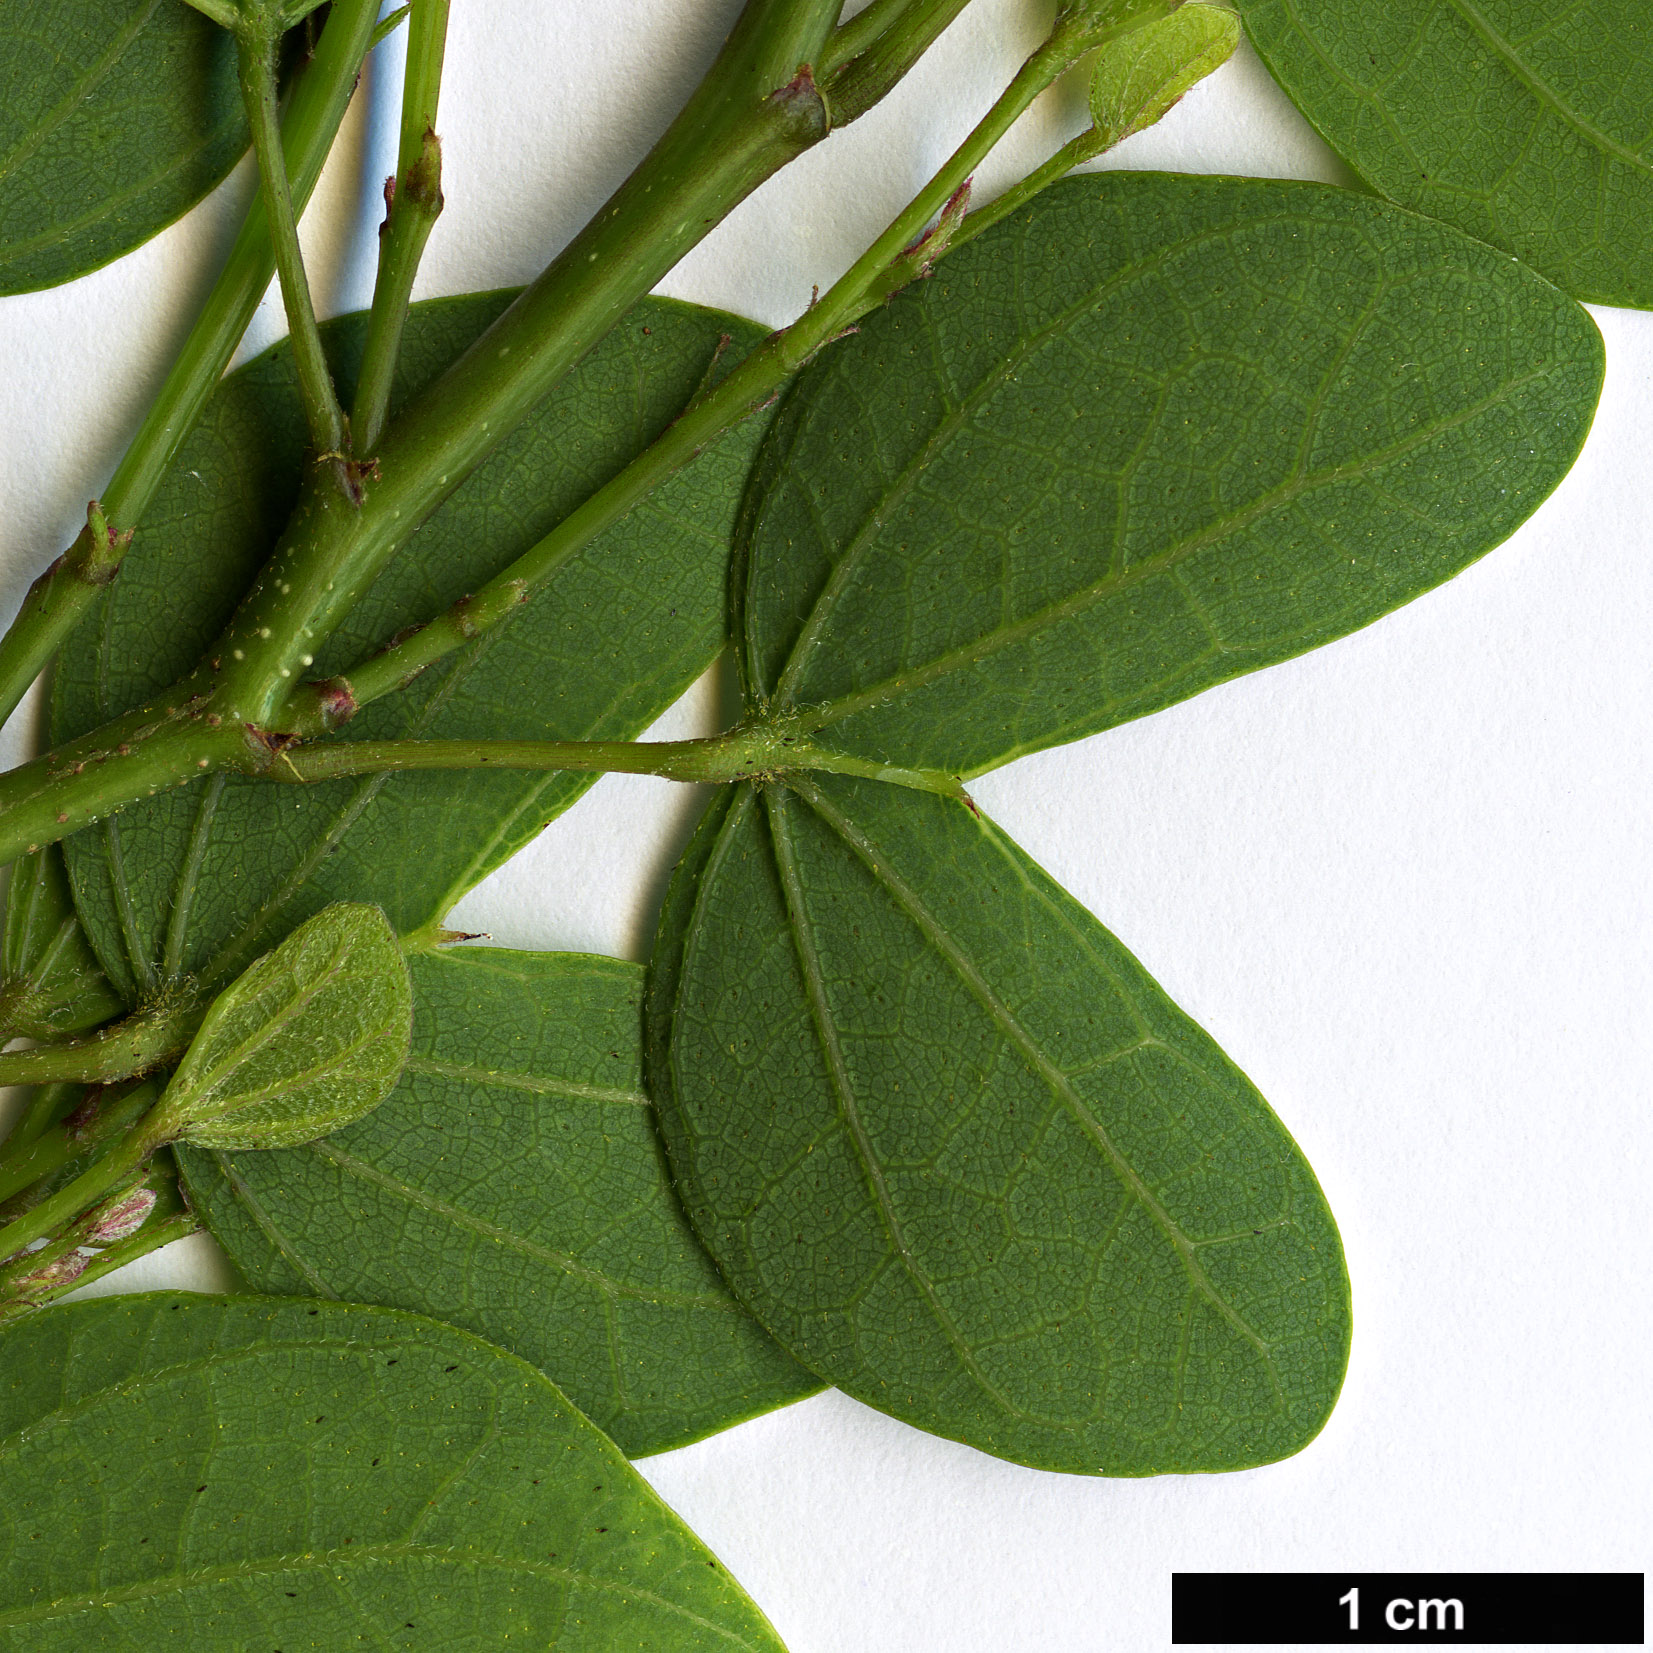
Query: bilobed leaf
(963, 1157)
(1147, 434)
(305, 1042)
(1139, 77)
(203, 879)
(50, 982)
(184, 1472)
(116, 117)
(1529, 126)
(514, 1184)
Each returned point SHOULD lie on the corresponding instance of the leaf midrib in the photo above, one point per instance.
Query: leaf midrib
(938, 936)
(826, 713)
(206, 1362)
(1542, 90)
(331, 1561)
(848, 558)
(461, 1218)
(209, 1078)
(266, 1224)
(11, 251)
(535, 1084)
(849, 1111)
(79, 90)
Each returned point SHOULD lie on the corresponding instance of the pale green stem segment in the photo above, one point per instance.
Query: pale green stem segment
(122, 1164)
(32, 1281)
(413, 203)
(752, 752)
(133, 757)
(65, 591)
(256, 47)
(869, 54)
(48, 1104)
(391, 24)
(757, 109)
(157, 748)
(1085, 147)
(101, 1117)
(136, 1045)
(903, 253)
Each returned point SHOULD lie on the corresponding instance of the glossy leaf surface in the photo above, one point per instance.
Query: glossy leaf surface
(306, 1041)
(1148, 434)
(116, 116)
(514, 1184)
(51, 984)
(955, 1148)
(242, 1474)
(208, 877)
(1528, 125)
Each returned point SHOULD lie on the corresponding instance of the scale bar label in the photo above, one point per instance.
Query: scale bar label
(1476, 1609)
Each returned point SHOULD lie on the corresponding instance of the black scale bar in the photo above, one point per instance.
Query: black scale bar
(1474, 1609)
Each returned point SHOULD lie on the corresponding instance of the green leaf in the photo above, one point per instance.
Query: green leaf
(1525, 125)
(1141, 76)
(962, 1156)
(116, 117)
(513, 1184)
(1143, 436)
(245, 1473)
(50, 982)
(307, 1041)
(203, 879)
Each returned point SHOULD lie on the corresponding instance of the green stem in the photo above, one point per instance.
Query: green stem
(131, 1047)
(752, 114)
(133, 757)
(98, 1120)
(1085, 147)
(389, 25)
(414, 200)
(152, 1236)
(48, 1104)
(65, 591)
(867, 56)
(750, 386)
(256, 47)
(321, 707)
(121, 1164)
(851, 39)
(751, 752)
(722, 132)
(70, 1261)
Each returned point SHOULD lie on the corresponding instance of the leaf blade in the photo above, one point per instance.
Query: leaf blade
(1146, 435)
(307, 1040)
(930, 1125)
(1527, 132)
(204, 878)
(116, 117)
(490, 1509)
(513, 1185)
(1140, 77)
(51, 984)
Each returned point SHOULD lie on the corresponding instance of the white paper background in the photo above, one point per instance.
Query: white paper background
(1404, 881)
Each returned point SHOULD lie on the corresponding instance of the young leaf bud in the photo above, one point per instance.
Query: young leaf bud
(309, 1039)
(1139, 77)
(53, 1276)
(121, 1217)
